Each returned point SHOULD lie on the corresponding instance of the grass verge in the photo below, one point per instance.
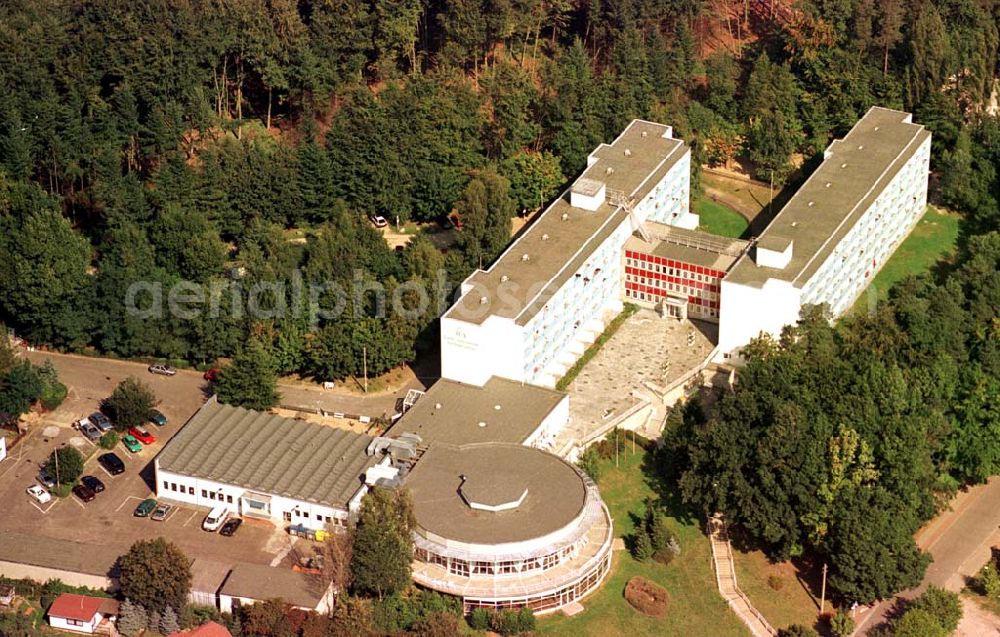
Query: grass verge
(719, 219)
(695, 605)
(933, 239)
(591, 351)
(791, 603)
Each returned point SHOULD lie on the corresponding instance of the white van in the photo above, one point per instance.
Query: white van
(215, 518)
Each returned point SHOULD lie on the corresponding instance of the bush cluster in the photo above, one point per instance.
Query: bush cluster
(652, 539)
(504, 622)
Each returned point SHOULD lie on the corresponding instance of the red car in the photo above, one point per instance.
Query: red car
(142, 435)
(211, 374)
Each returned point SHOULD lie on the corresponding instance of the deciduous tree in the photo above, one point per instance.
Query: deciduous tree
(155, 574)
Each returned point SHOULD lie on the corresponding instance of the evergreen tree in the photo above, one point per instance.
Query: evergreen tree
(169, 622)
(132, 618)
(315, 179)
(642, 546)
(485, 210)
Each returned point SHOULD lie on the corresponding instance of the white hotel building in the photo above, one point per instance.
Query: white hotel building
(533, 312)
(835, 233)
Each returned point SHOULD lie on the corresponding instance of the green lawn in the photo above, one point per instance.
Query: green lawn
(932, 240)
(695, 605)
(792, 603)
(719, 219)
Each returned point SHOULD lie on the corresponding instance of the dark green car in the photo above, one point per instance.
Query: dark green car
(157, 418)
(145, 508)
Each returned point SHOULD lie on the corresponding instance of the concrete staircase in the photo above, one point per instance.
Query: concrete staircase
(725, 576)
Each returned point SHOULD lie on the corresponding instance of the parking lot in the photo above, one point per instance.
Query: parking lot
(108, 520)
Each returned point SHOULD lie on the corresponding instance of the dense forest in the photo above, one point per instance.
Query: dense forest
(164, 141)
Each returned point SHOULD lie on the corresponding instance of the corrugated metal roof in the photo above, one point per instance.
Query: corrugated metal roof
(268, 453)
(259, 582)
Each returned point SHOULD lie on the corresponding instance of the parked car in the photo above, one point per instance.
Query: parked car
(161, 512)
(229, 528)
(142, 435)
(163, 370)
(100, 421)
(45, 478)
(112, 463)
(144, 508)
(157, 418)
(211, 374)
(89, 430)
(93, 483)
(81, 491)
(131, 443)
(39, 493)
(215, 518)
(378, 221)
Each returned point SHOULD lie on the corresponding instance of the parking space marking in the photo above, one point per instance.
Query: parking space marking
(193, 514)
(77, 500)
(125, 501)
(47, 509)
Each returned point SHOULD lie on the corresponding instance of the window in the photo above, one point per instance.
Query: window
(319, 517)
(190, 490)
(204, 493)
(288, 516)
(73, 622)
(229, 499)
(211, 495)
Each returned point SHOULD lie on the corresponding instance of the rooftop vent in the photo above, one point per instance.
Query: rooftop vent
(504, 278)
(482, 424)
(483, 300)
(827, 184)
(795, 224)
(876, 128)
(644, 133)
(545, 237)
(844, 165)
(497, 407)
(628, 152)
(565, 216)
(525, 258)
(861, 146)
(609, 171)
(812, 203)
(437, 405)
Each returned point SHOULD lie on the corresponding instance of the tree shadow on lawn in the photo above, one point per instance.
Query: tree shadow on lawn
(667, 493)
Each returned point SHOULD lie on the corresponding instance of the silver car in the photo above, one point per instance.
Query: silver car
(163, 370)
(161, 512)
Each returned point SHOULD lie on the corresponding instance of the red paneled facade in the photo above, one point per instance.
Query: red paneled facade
(649, 278)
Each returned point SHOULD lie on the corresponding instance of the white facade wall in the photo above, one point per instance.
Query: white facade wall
(283, 510)
(17, 570)
(746, 311)
(86, 627)
(3, 448)
(863, 251)
(227, 602)
(550, 427)
(472, 353)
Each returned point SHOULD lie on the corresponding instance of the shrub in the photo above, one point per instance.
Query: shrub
(917, 622)
(942, 605)
(664, 556)
(132, 618)
(195, 615)
(61, 490)
(989, 580)
(841, 625)
(479, 619)
(775, 582)
(53, 395)
(797, 630)
(109, 440)
(589, 463)
(646, 597)
(512, 622)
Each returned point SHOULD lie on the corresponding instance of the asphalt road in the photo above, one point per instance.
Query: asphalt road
(959, 539)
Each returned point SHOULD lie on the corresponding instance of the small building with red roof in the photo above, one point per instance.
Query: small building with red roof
(83, 614)
(208, 629)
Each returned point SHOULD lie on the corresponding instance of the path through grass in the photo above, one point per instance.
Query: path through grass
(695, 606)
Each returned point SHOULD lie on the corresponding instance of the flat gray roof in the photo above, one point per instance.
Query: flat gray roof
(556, 492)
(690, 246)
(557, 247)
(829, 203)
(451, 412)
(76, 557)
(256, 581)
(270, 454)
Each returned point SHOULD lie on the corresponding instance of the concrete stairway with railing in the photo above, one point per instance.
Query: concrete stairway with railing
(725, 576)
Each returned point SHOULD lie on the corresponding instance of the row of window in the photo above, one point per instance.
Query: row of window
(457, 566)
(677, 285)
(649, 262)
(695, 306)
